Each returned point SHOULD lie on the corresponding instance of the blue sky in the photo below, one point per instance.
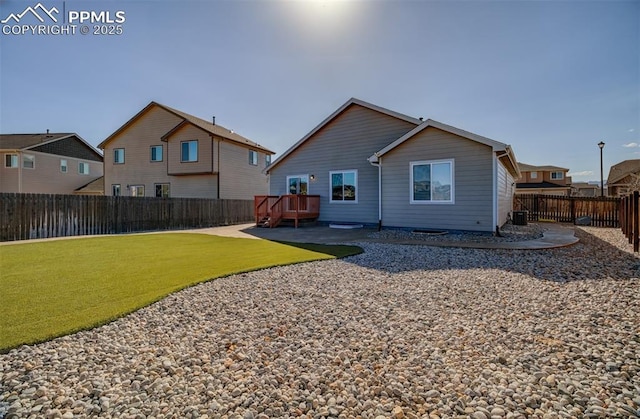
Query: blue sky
(550, 78)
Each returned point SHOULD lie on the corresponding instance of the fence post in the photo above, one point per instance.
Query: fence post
(636, 221)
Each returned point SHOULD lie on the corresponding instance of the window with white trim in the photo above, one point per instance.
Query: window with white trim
(63, 166)
(162, 190)
(253, 157)
(118, 156)
(557, 175)
(116, 190)
(136, 190)
(534, 175)
(156, 153)
(267, 160)
(83, 168)
(28, 161)
(189, 151)
(344, 186)
(432, 182)
(298, 184)
(10, 160)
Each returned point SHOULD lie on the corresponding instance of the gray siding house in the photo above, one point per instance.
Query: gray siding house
(375, 166)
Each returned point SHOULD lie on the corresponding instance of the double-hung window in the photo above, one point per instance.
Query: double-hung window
(28, 161)
(189, 151)
(267, 160)
(83, 168)
(253, 157)
(118, 156)
(344, 186)
(432, 182)
(115, 190)
(63, 166)
(11, 160)
(156, 153)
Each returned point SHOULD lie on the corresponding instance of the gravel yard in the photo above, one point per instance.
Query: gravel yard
(398, 331)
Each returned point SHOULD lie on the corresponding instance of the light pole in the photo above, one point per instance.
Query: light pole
(601, 145)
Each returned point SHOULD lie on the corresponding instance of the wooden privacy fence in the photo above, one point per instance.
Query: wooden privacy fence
(604, 212)
(630, 219)
(35, 216)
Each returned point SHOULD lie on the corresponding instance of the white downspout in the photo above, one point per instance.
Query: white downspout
(379, 193)
(378, 163)
(495, 192)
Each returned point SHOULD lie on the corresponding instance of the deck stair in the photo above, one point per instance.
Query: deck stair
(271, 210)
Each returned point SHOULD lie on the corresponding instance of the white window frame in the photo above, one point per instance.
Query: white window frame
(13, 160)
(116, 153)
(31, 158)
(253, 157)
(561, 175)
(432, 202)
(64, 166)
(155, 190)
(81, 165)
(534, 175)
(342, 172)
(161, 153)
(133, 188)
(294, 177)
(116, 189)
(189, 160)
(267, 160)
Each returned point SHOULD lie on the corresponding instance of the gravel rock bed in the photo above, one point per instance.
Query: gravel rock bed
(398, 331)
(509, 233)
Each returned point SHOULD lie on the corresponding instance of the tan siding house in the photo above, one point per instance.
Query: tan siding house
(164, 152)
(404, 172)
(548, 180)
(624, 178)
(61, 163)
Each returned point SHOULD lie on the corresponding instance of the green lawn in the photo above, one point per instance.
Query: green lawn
(53, 288)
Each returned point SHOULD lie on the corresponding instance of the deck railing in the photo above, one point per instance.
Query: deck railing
(271, 210)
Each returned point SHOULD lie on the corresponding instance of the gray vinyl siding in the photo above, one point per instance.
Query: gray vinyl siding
(343, 144)
(473, 184)
(505, 194)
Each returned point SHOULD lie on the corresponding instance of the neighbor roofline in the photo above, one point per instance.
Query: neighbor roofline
(335, 114)
(126, 125)
(73, 134)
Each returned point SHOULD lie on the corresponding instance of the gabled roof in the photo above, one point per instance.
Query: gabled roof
(32, 141)
(334, 115)
(495, 145)
(530, 168)
(207, 126)
(622, 170)
(23, 141)
(95, 187)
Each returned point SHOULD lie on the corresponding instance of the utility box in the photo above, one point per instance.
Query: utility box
(519, 218)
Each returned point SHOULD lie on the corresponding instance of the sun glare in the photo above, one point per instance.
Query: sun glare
(320, 19)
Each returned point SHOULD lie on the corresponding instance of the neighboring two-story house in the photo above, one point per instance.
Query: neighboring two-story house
(163, 152)
(547, 180)
(50, 163)
(624, 177)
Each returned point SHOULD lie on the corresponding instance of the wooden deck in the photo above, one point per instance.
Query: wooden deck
(271, 210)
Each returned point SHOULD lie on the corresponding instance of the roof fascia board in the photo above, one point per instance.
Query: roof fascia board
(495, 145)
(335, 114)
